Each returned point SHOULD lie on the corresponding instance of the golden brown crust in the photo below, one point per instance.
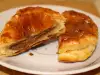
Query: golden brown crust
(26, 23)
(78, 25)
(81, 36)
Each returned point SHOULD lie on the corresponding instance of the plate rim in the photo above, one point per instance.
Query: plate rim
(85, 69)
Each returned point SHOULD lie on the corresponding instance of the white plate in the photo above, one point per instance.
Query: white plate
(44, 60)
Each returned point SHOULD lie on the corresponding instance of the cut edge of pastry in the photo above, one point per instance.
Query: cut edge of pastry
(77, 55)
(78, 43)
(79, 51)
(57, 29)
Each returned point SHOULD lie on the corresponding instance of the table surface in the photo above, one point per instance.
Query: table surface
(86, 6)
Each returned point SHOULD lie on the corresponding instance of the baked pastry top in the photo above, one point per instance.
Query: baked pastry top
(80, 38)
(31, 26)
(26, 29)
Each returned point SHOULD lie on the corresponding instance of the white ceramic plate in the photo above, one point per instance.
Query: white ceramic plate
(44, 60)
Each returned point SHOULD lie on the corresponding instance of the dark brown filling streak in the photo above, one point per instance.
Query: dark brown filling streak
(30, 42)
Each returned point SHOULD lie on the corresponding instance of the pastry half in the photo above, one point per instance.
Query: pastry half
(80, 39)
(29, 27)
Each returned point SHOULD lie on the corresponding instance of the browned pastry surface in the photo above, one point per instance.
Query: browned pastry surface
(81, 32)
(29, 27)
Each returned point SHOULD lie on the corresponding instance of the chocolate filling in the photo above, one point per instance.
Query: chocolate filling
(31, 41)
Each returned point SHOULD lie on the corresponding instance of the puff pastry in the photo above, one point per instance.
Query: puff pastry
(29, 27)
(79, 40)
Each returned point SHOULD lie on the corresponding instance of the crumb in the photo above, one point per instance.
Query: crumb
(31, 54)
(57, 52)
